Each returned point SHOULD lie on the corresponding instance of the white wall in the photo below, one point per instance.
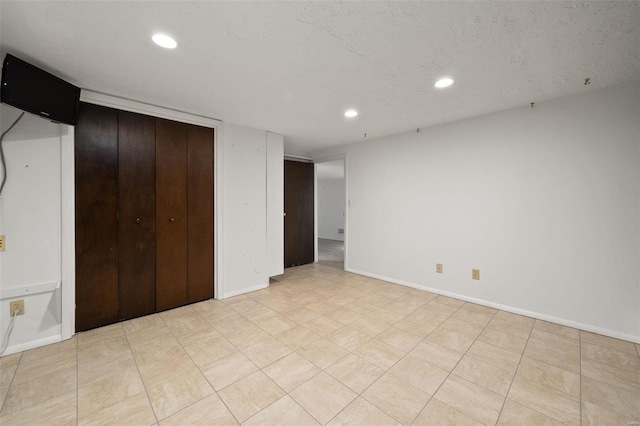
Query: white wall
(331, 205)
(31, 217)
(275, 204)
(243, 260)
(545, 201)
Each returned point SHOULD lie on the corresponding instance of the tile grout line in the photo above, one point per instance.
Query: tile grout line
(580, 355)
(389, 369)
(461, 358)
(197, 367)
(516, 372)
(11, 382)
(126, 336)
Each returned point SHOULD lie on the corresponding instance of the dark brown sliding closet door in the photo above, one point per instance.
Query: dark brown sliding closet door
(171, 214)
(137, 183)
(200, 226)
(298, 207)
(96, 163)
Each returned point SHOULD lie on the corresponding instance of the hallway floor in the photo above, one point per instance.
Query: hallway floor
(331, 253)
(323, 346)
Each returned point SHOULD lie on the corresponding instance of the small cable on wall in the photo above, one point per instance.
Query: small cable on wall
(7, 335)
(4, 163)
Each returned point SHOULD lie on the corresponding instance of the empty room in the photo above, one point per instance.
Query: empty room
(320, 213)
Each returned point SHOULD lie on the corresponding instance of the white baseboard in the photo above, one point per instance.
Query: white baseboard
(544, 317)
(33, 344)
(246, 290)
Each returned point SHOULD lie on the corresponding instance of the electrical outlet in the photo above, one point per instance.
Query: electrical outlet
(3, 243)
(16, 305)
(439, 268)
(475, 274)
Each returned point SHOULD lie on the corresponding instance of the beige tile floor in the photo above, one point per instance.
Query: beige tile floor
(322, 346)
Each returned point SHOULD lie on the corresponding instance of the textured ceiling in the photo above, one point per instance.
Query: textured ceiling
(294, 67)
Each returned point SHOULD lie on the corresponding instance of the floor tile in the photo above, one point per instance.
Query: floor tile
(399, 339)
(298, 337)
(624, 379)
(612, 357)
(437, 355)
(302, 315)
(343, 316)
(379, 354)
(557, 329)
(247, 337)
(348, 338)
(472, 317)
(284, 411)
(228, 370)
(322, 325)
(607, 342)
(355, 372)
(68, 347)
(503, 340)
(549, 375)
(6, 376)
(386, 316)
(397, 398)
(515, 325)
(267, 351)
(291, 371)
(475, 401)
(495, 356)
(443, 308)
(323, 353)
(323, 397)
(276, 325)
(209, 349)
(60, 410)
(421, 329)
(369, 326)
(39, 389)
(594, 415)
(514, 414)
(45, 366)
(453, 340)
(250, 395)
(545, 400)
(209, 411)
(439, 413)
(10, 360)
(362, 413)
(483, 374)
(109, 391)
(172, 393)
(419, 374)
(93, 371)
(611, 397)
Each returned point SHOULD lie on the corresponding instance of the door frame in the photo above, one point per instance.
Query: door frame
(342, 157)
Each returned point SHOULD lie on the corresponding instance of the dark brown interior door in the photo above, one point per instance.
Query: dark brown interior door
(298, 207)
(171, 214)
(137, 196)
(96, 163)
(200, 213)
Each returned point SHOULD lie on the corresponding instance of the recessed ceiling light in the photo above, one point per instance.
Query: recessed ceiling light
(350, 113)
(164, 40)
(443, 82)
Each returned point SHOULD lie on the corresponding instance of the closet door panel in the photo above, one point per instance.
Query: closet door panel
(171, 214)
(96, 182)
(200, 211)
(298, 205)
(137, 182)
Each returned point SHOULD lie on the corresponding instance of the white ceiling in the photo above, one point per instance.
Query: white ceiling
(295, 67)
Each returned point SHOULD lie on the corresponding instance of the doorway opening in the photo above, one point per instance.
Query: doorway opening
(331, 197)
